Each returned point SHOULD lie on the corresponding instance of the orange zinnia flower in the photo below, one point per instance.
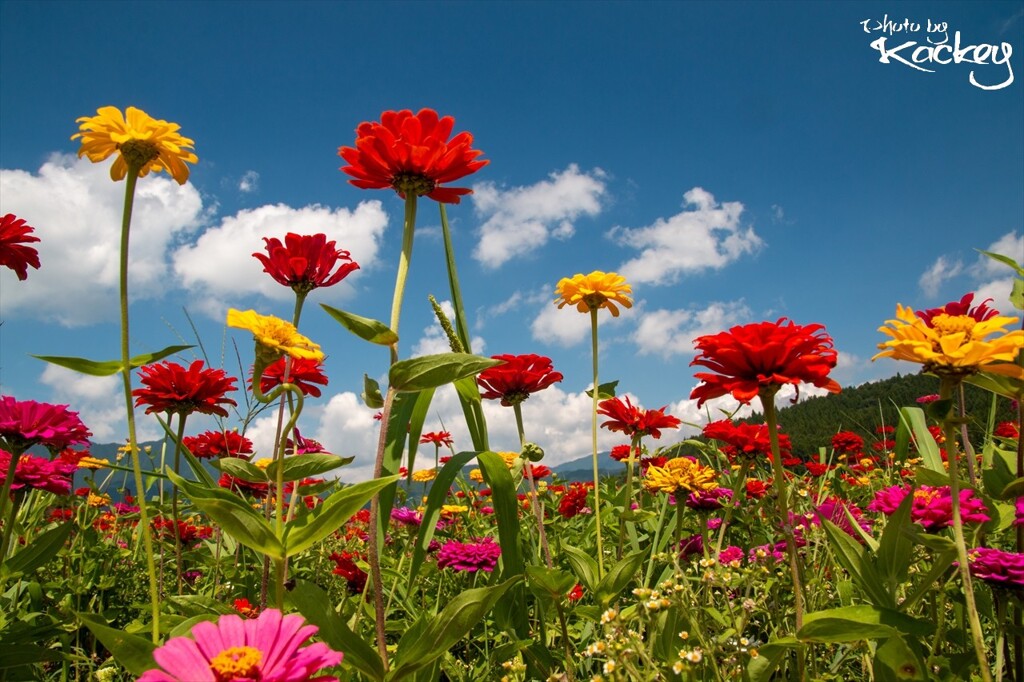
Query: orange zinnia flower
(412, 153)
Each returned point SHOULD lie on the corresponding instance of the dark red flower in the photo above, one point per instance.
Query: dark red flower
(748, 440)
(14, 234)
(412, 153)
(847, 443)
(750, 357)
(24, 423)
(980, 313)
(258, 490)
(574, 501)
(245, 609)
(305, 262)
(635, 421)
(303, 446)
(576, 593)
(1007, 430)
(539, 471)
(438, 438)
(620, 453)
(211, 444)
(305, 373)
(756, 488)
(169, 387)
(345, 566)
(514, 381)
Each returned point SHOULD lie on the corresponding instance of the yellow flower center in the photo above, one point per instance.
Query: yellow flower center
(237, 662)
(925, 496)
(953, 324)
(137, 153)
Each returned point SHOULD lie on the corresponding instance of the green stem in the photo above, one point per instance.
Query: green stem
(593, 434)
(174, 499)
(947, 386)
(126, 379)
(634, 445)
(373, 556)
(5, 497)
(543, 548)
(741, 479)
(404, 259)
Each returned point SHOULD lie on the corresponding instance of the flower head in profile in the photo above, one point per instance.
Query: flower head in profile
(469, 557)
(978, 313)
(954, 344)
(38, 472)
(140, 142)
(24, 423)
(746, 440)
(274, 336)
(594, 291)
(752, 357)
(267, 648)
(14, 234)
(169, 387)
(305, 262)
(517, 378)
(211, 444)
(635, 421)
(438, 438)
(680, 474)
(997, 567)
(345, 566)
(411, 154)
(306, 373)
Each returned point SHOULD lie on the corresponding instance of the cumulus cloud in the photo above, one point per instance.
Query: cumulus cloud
(705, 235)
(219, 265)
(941, 271)
(520, 220)
(671, 332)
(567, 327)
(728, 407)
(76, 211)
(249, 183)
(435, 341)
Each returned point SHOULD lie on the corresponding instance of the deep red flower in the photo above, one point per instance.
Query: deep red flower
(188, 530)
(576, 593)
(750, 357)
(748, 440)
(539, 471)
(305, 262)
(438, 438)
(305, 373)
(412, 153)
(635, 421)
(1007, 430)
(514, 381)
(620, 453)
(14, 234)
(980, 312)
(257, 490)
(345, 566)
(245, 609)
(169, 387)
(24, 423)
(38, 472)
(756, 488)
(211, 444)
(847, 443)
(574, 501)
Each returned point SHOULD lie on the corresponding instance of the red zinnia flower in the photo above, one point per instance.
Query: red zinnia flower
(574, 501)
(633, 420)
(438, 438)
(24, 423)
(169, 387)
(305, 262)
(749, 440)
(750, 357)
(258, 490)
(345, 566)
(515, 380)
(1007, 430)
(980, 313)
(305, 373)
(245, 609)
(847, 443)
(412, 153)
(303, 446)
(14, 233)
(211, 444)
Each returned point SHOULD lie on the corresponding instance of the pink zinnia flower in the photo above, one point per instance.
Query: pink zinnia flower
(1018, 517)
(24, 423)
(834, 509)
(15, 233)
(708, 500)
(38, 472)
(932, 506)
(267, 648)
(469, 556)
(996, 567)
(731, 556)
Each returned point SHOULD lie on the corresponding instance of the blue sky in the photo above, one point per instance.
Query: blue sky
(737, 161)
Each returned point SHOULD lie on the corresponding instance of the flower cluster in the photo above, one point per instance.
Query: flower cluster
(743, 439)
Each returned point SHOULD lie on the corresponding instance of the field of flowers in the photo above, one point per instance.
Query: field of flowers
(725, 557)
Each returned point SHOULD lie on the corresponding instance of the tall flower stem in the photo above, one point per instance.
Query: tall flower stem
(174, 500)
(408, 231)
(126, 379)
(593, 435)
(741, 478)
(947, 388)
(528, 467)
(634, 446)
(5, 498)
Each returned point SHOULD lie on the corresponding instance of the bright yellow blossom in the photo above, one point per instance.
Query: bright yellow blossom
(274, 334)
(424, 475)
(95, 500)
(476, 475)
(954, 344)
(594, 291)
(680, 474)
(140, 141)
(88, 462)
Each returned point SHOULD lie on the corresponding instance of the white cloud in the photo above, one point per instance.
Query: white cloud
(76, 212)
(993, 279)
(728, 407)
(707, 236)
(219, 266)
(522, 219)
(249, 183)
(942, 270)
(671, 332)
(567, 327)
(435, 341)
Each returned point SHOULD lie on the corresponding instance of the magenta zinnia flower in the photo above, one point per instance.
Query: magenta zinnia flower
(469, 556)
(38, 472)
(996, 567)
(24, 423)
(932, 507)
(14, 234)
(267, 649)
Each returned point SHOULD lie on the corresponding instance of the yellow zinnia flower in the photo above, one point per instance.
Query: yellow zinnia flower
(424, 475)
(141, 141)
(275, 334)
(476, 475)
(680, 473)
(954, 344)
(95, 500)
(94, 463)
(594, 291)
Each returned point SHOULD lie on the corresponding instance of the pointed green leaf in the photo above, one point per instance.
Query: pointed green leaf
(896, 546)
(855, 623)
(618, 577)
(240, 468)
(551, 584)
(131, 651)
(40, 551)
(1006, 260)
(98, 368)
(416, 421)
(604, 391)
(402, 406)
(431, 371)
(365, 328)
(506, 510)
(852, 556)
(894, 660)
(371, 395)
(461, 328)
(912, 422)
(473, 411)
(17, 655)
(1014, 488)
(298, 467)
(770, 657)
(583, 564)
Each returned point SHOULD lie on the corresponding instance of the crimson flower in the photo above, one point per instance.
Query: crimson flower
(258, 490)
(169, 387)
(980, 312)
(847, 442)
(574, 501)
(620, 453)
(210, 444)
(306, 373)
(24, 423)
(752, 357)
(38, 472)
(635, 421)
(14, 234)
(412, 153)
(749, 440)
(305, 262)
(345, 566)
(438, 438)
(514, 381)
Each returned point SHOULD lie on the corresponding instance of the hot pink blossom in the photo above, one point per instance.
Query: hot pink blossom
(932, 506)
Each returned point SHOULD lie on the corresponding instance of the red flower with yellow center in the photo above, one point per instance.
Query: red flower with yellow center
(631, 420)
(514, 381)
(169, 387)
(305, 262)
(411, 153)
(14, 234)
(763, 355)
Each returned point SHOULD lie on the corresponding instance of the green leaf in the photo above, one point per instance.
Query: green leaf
(583, 564)
(240, 468)
(852, 556)
(1006, 260)
(316, 607)
(618, 577)
(365, 328)
(550, 584)
(461, 328)
(506, 510)
(912, 421)
(604, 391)
(105, 368)
(307, 530)
(298, 467)
(371, 395)
(235, 516)
(896, 546)
(1014, 488)
(894, 660)
(856, 623)
(1005, 386)
(16, 655)
(473, 411)
(445, 629)
(770, 657)
(131, 651)
(42, 550)
(416, 420)
(431, 371)
(402, 406)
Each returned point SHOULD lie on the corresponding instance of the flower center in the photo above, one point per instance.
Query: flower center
(413, 183)
(137, 153)
(925, 496)
(237, 663)
(953, 324)
(595, 300)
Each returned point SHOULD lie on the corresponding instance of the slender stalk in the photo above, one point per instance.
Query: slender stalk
(634, 445)
(593, 434)
(5, 497)
(126, 379)
(543, 549)
(404, 259)
(174, 499)
(741, 478)
(373, 557)
(947, 386)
